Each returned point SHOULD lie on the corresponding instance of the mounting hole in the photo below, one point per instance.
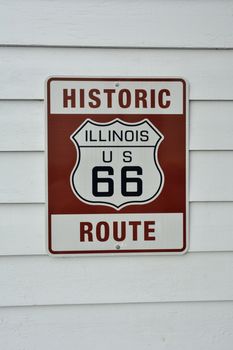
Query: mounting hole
(118, 246)
(117, 84)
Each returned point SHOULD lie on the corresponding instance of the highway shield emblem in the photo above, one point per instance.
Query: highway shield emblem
(117, 163)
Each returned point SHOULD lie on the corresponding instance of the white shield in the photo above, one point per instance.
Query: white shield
(117, 163)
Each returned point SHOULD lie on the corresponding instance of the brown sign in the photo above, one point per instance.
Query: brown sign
(116, 165)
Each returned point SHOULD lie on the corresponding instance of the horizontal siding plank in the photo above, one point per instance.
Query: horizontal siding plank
(211, 175)
(211, 125)
(24, 69)
(22, 125)
(211, 226)
(22, 177)
(43, 280)
(165, 326)
(22, 228)
(116, 23)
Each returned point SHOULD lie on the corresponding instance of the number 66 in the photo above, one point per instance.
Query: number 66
(110, 182)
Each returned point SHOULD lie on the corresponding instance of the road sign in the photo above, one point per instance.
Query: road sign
(117, 160)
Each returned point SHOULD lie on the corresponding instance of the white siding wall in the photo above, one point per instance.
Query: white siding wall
(151, 302)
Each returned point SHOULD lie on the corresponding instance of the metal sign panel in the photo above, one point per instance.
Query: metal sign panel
(117, 165)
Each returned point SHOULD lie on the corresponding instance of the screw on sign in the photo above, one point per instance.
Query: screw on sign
(116, 166)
